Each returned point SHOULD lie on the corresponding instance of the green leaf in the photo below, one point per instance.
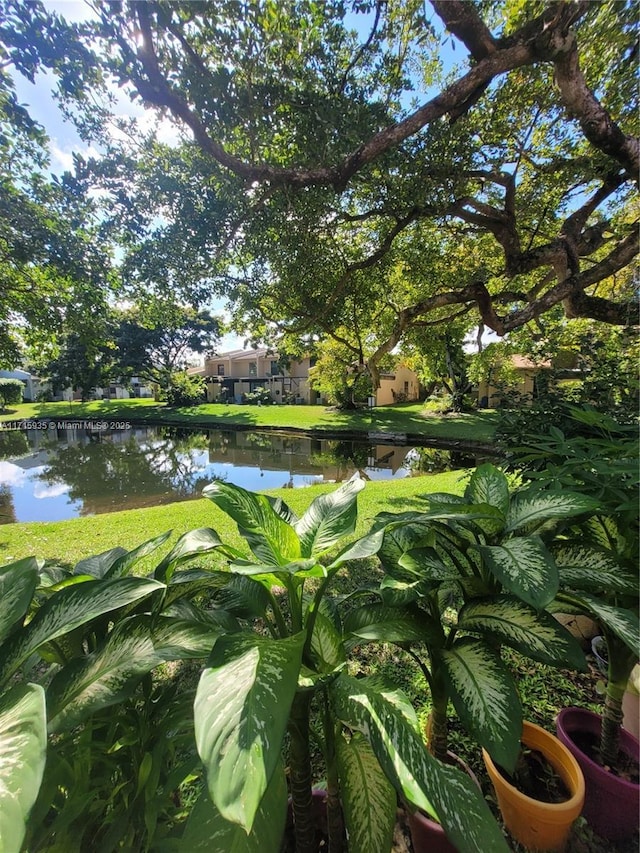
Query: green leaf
(124, 563)
(208, 831)
(17, 585)
(198, 541)
(622, 622)
(241, 713)
(400, 538)
(308, 568)
(367, 546)
(368, 798)
(533, 507)
(107, 676)
(68, 609)
(525, 567)
(392, 625)
(271, 539)
(326, 644)
(99, 564)
(441, 791)
(581, 567)
(189, 582)
(329, 518)
(23, 745)
(425, 564)
(534, 633)
(395, 593)
(110, 674)
(488, 485)
(244, 597)
(485, 696)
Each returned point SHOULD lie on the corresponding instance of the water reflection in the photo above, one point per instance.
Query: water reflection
(54, 474)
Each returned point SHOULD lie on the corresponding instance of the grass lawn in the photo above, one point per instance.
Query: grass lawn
(66, 542)
(402, 418)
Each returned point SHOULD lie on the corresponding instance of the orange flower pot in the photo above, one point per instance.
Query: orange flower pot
(538, 825)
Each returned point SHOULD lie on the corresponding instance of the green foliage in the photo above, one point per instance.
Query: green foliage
(598, 559)
(241, 730)
(184, 390)
(156, 341)
(462, 578)
(259, 397)
(10, 392)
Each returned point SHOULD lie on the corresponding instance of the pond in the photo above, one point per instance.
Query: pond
(54, 474)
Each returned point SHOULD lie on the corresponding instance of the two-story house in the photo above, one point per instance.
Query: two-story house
(230, 375)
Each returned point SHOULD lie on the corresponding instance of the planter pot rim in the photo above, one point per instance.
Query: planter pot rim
(628, 743)
(575, 800)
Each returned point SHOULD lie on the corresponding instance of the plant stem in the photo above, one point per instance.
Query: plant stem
(300, 767)
(335, 824)
(438, 731)
(611, 724)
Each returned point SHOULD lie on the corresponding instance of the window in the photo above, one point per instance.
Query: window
(406, 387)
(253, 368)
(274, 370)
(221, 370)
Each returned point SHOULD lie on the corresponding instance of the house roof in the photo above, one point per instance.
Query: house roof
(522, 362)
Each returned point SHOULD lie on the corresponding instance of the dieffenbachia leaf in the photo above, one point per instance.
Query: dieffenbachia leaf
(533, 507)
(199, 541)
(488, 485)
(535, 633)
(524, 567)
(23, 745)
(241, 712)
(125, 562)
(110, 674)
(622, 622)
(67, 610)
(271, 539)
(208, 831)
(17, 585)
(329, 518)
(392, 624)
(485, 696)
(441, 791)
(582, 567)
(368, 798)
(327, 647)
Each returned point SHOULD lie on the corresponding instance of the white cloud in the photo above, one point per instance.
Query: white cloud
(41, 491)
(62, 156)
(12, 475)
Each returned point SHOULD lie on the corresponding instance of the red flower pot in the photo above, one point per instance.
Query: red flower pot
(612, 804)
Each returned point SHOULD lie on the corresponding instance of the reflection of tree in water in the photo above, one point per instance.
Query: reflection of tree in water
(7, 509)
(433, 460)
(13, 443)
(106, 475)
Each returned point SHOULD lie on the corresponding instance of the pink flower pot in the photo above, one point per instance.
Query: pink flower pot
(612, 804)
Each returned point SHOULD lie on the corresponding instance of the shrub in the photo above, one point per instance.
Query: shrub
(259, 397)
(185, 390)
(10, 392)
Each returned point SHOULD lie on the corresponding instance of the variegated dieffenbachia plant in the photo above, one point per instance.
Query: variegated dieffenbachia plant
(463, 578)
(260, 683)
(74, 642)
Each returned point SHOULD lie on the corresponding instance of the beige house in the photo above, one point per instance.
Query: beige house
(398, 387)
(526, 371)
(230, 375)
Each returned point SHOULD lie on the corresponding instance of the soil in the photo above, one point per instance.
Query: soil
(626, 766)
(536, 778)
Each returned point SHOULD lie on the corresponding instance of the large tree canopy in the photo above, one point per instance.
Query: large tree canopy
(344, 166)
